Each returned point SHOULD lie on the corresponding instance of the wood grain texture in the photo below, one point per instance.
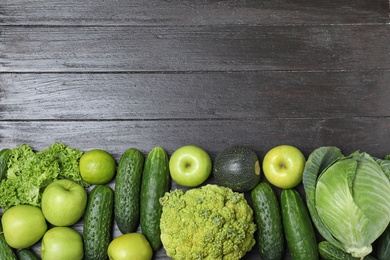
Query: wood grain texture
(115, 74)
(252, 96)
(349, 134)
(201, 48)
(198, 12)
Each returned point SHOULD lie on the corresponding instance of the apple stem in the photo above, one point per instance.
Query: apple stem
(68, 188)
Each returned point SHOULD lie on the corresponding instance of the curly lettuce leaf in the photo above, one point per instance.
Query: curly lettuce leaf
(67, 159)
(30, 172)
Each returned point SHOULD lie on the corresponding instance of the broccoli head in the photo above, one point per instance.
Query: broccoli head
(210, 222)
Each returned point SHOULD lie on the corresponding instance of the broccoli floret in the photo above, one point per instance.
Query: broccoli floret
(210, 222)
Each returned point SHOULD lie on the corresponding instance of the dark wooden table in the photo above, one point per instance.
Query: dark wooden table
(115, 74)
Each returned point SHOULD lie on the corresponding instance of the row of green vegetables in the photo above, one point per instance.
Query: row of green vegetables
(347, 201)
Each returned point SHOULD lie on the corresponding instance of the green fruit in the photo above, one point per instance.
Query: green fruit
(283, 166)
(238, 168)
(23, 225)
(6, 252)
(130, 246)
(62, 243)
(63, 202)
(190, 166)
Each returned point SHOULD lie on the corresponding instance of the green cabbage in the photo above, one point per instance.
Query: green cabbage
(348, 198)
(30, 172)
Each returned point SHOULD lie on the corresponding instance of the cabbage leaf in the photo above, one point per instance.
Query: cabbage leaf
(348, 198)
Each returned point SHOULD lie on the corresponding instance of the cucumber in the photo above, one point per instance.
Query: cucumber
(267, 215)
(127, 190)
(299, 232)
(155, 182)
(328, 251)
(370, 257)
(98, 222)
(4, 156)
(383, 246)
(6, 252)
(26, 254)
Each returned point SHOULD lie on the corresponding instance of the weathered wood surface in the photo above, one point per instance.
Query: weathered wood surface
(197, 12)
(349, 134)
(117, 74)
(239, 95)
(200, 48)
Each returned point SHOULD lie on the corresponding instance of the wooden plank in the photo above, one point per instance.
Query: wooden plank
(371, 135)
(197, 12)
(255, 95)
(204, 48)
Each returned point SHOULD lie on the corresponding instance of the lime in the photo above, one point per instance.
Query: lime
(97, 166)
(130, 246)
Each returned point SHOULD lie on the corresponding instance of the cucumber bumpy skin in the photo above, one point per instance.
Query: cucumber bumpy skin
(127, 190)
(267, 215)
(298, 228)
(26, 254)
(330, 252)
(155, 182)
(98, 222)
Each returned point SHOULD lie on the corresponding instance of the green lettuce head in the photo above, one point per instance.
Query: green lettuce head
(348, 198)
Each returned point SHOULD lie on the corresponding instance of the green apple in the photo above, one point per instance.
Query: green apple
(130, 246)
(283, 166)
(23, 225)
(64, 202)
(190, 166)
(62, 243)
